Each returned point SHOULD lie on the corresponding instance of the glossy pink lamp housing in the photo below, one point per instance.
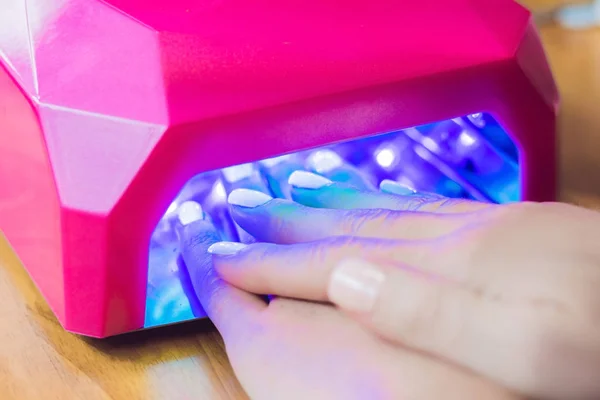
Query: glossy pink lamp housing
(107, 108)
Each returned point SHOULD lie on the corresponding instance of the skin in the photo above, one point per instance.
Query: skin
(296, 349)
(478, 300)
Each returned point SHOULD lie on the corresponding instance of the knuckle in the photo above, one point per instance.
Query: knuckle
(415, 203)
(323, 250)
(201, 237)
(446, 202)
(357, 221)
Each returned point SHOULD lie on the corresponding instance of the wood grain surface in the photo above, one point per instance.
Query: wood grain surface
(38, 360)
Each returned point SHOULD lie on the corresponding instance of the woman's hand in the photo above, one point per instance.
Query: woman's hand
(294, 349)
(510, 292)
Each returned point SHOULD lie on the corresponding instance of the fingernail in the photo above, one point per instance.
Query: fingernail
(189, 212)
(308, 180)
(394, 187)
(355, 285)
(238, 172)
(324, 161)
(248, 198)
(226, 248)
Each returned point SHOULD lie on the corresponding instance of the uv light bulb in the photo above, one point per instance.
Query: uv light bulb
(324, 161)
(386, 156)
(238, 172)
(477, 120)
(466, 140)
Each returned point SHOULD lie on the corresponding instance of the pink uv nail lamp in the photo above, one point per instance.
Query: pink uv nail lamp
(113, 112)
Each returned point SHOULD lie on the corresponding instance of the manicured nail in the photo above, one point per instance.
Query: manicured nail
(248, 198)
(226, 248)
(393, 187)
(238, 172)
(189, 212)
(308, 180)
(324, 161)
(355, 285)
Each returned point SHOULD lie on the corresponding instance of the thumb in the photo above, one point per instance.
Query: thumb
(479, 328)
(402, 304)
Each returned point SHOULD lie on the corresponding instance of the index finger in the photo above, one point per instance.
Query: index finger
(231, 310)
(284, 221)
(303, 270)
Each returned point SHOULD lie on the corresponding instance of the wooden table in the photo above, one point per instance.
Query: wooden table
(38, 360)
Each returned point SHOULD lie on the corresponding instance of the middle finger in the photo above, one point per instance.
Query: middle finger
(317, 191)
(283, 221)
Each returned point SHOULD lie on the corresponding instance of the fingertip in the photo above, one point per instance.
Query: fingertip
(238, 257)
(189, 212)
(308, 180)
(247, 198)
(226, 248)
(393, 187)
(190, 219)
(196, 235)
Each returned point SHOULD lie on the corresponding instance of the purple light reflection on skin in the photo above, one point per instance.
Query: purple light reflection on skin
(453, 158)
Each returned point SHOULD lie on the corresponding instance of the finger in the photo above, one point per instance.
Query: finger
(500, 338)
(429, 309)
(314, 190)
(245, 176)
(303, 271)
(284, 221)
(330, 165)
(426, 309)
(230, 309)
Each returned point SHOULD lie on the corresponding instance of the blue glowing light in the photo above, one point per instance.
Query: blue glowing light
(471, 157)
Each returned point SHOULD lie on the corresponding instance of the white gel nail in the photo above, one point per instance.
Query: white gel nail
(308, 180)
(248, 198)
(226, 248)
